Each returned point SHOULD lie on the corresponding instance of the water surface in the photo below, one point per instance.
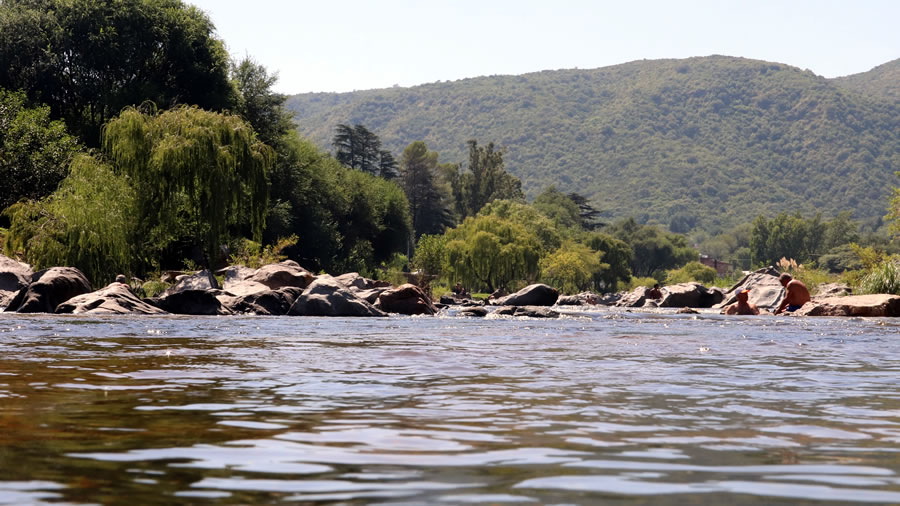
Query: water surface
(598, 407)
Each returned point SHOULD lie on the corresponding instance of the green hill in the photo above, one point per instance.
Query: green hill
(702, 142)
(881, 82)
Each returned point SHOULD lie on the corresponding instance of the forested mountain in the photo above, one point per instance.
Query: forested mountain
(704, 142)
(881, 82)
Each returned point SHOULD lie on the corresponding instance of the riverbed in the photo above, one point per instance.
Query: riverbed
(600, 406)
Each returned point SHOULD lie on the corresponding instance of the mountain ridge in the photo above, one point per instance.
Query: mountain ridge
(702, 142)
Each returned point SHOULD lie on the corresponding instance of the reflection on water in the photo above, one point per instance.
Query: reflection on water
(601, 406)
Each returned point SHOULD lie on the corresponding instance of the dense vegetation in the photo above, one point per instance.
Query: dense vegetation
(129, 143)
(704, 143)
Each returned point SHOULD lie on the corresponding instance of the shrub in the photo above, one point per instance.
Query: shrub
(882, 278)
(636, 282)
(692, 271)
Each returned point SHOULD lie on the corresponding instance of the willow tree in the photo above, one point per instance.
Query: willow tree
(188, 163)
(488, 252)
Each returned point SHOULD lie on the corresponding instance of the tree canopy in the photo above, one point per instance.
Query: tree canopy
(34, 151)
(89, 59)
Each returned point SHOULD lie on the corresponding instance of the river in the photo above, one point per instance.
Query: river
(600, 406)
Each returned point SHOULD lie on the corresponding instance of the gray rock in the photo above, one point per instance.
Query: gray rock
(406, 299)
(766, 291)
(833, 290)
(264, 303)
(690, 295)
(48, 289)
(191, 302)
(197, 281)
(328, 297)
(283, 274)
(14, 276)
(852, 305)
(115, 298)
(635, 298)
(528, 311)
(473, 311)
(354, 280)
(532, 295)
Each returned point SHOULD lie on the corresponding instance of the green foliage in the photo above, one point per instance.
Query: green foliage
(884, 277)
(88, 59)
(394, 270)
(88, 223)
(34, 151)
(359, 148)
(691, 271)
(559, 207)
(614, 253)
(528, 218)
(187, 161)
(488, 252)
(347, 220)
(484, 181)
(430, 255)
(429, 201)
(653, 249)
(638, 282)
(254, 255)
(258, 104)
(572, 268)
(700, 143)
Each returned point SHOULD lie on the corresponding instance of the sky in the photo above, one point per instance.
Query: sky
(346, 45)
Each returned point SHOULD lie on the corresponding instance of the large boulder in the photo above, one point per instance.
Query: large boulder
(327, 297)
(283, 274)
(581, 299)
(199, 281)
(406, 299)
(852, 305)
(191, 302)
(354, 281)
(48, 289)
(690, 295)
(532, 295)
(833, 290)
(263, 303)
(241, 281)
(14, 276)
(766, 291)
(635, 298)
(115, 298)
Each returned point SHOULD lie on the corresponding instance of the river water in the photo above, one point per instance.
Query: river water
(601, 406)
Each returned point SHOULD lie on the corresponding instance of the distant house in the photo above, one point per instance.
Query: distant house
(722, 268)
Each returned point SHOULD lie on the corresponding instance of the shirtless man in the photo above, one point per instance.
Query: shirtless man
(796, 294)
(742, 306)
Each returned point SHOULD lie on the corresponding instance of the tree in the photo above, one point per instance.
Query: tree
(34, 151)
(614, 253)
(653, 249)
(258, 103)
(485, 180)
(87, 223)
(487, 252)
(559, 207)
(359, 148)
(572, 268)
(186, 160)
(88, 59)
(588, 213)
(346, 220)
(418, 178)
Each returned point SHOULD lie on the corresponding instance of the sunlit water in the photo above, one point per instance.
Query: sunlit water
(598, 407)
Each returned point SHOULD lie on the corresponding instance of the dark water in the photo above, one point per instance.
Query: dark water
(601, 407)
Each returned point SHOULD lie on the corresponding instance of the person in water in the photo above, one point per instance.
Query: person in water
(795, 295)
(742, 306)
(655, 292)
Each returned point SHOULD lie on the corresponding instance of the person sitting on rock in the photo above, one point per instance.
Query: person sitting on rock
(796, 294)
(655, 292)
(742, 306)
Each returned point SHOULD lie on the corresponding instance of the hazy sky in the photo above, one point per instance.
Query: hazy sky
(344, 45)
